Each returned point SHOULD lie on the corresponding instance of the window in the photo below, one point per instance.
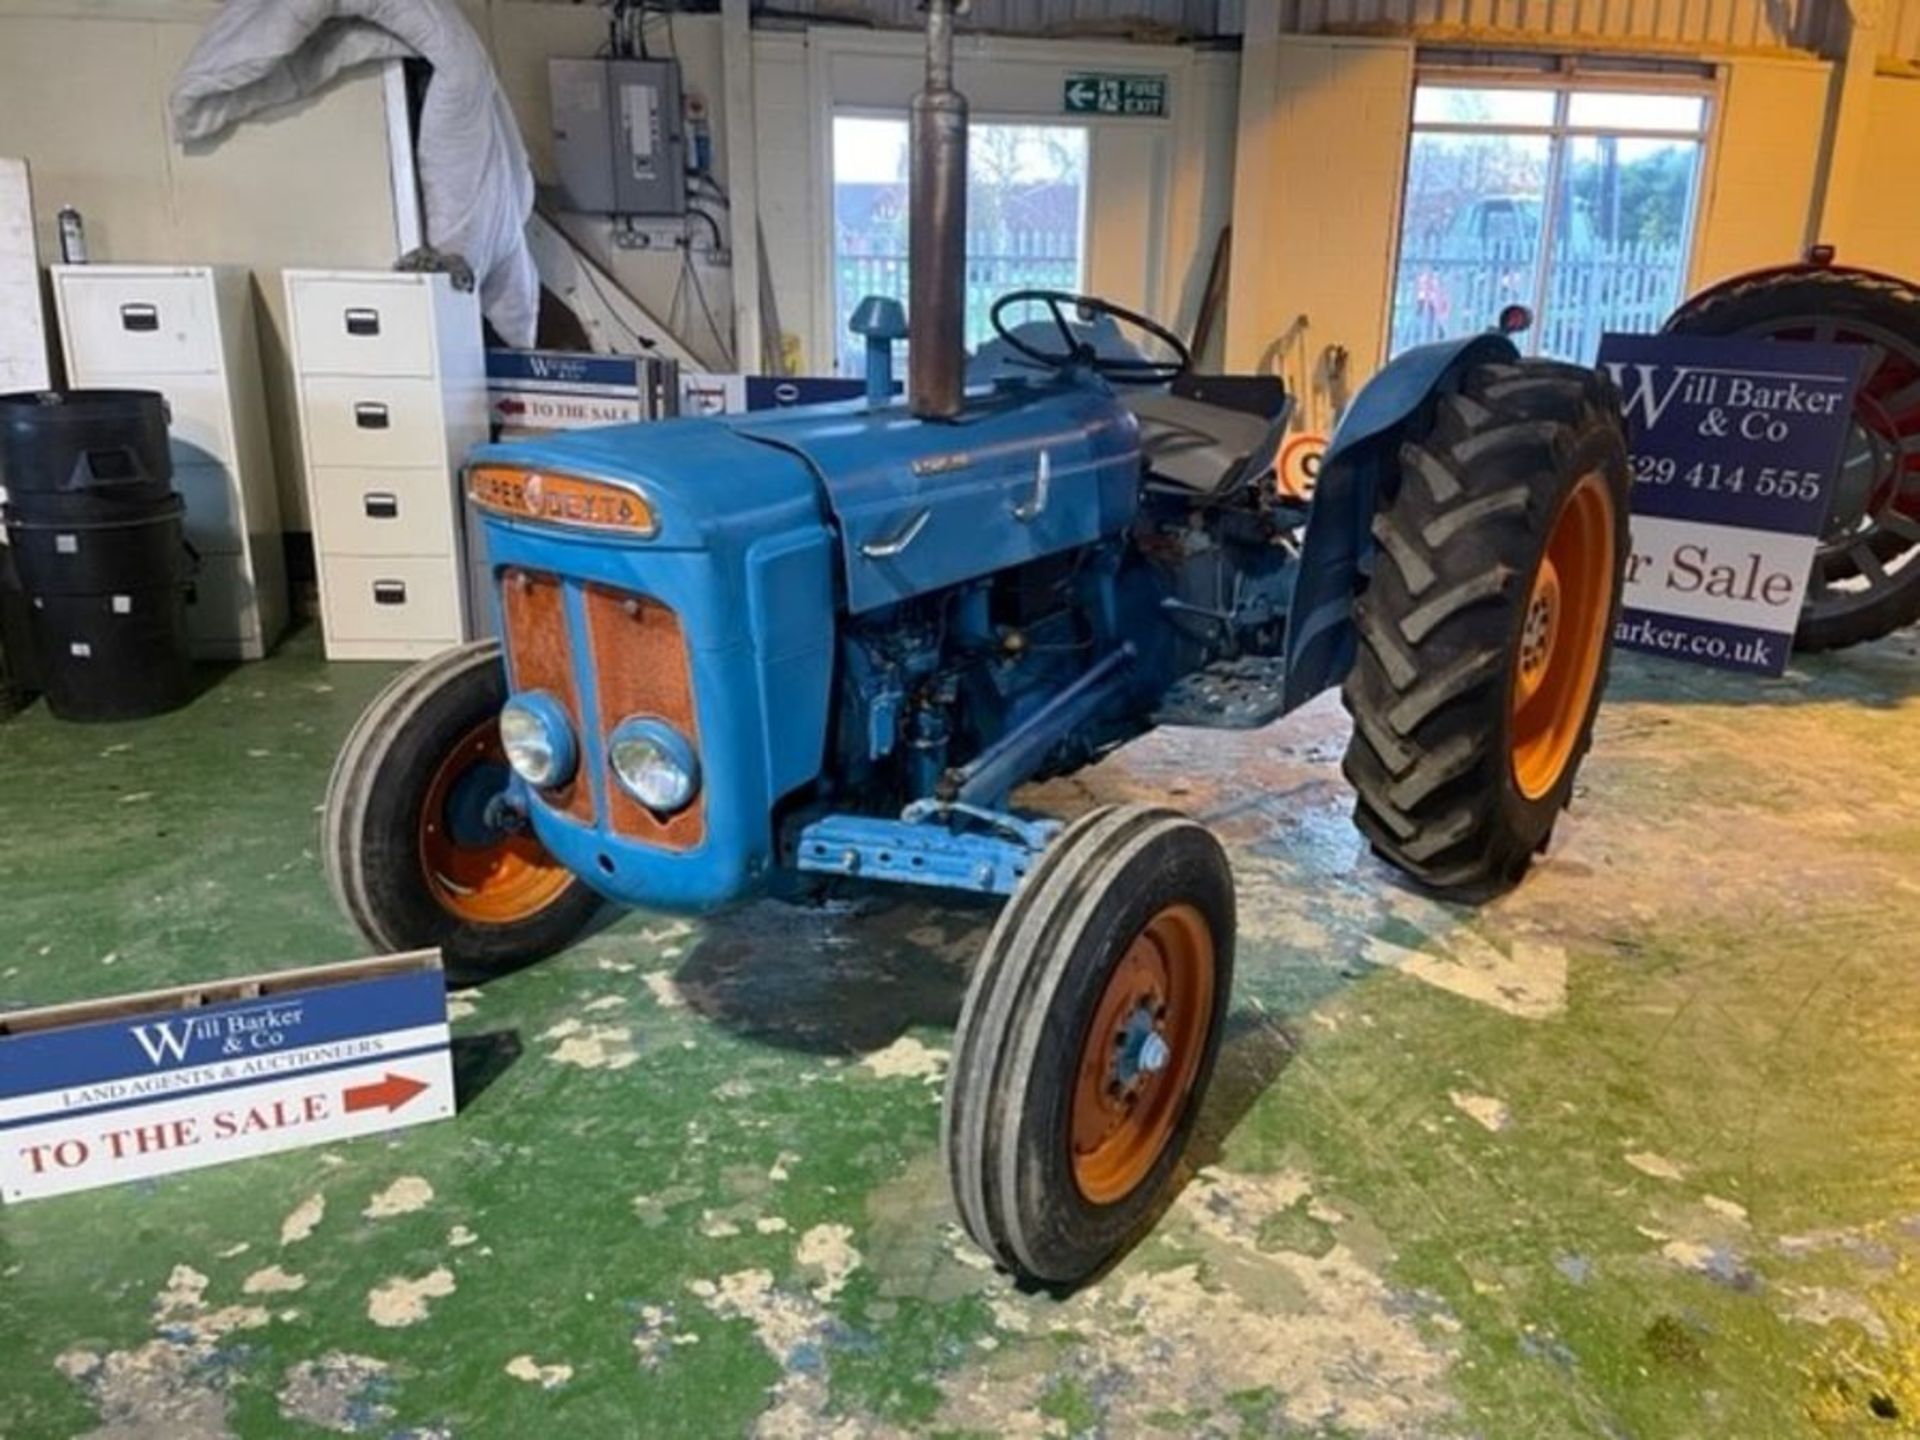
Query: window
(1577, 203)
(1026, 206)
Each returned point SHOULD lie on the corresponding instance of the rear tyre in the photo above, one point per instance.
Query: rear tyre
(415, 854)
(1866, 573)
(1487, 626)
(1088, 1038)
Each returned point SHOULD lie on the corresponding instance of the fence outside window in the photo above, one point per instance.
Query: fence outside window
(1026, 203)
(1630, 286)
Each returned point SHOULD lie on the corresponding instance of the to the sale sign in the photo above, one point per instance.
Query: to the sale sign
(144, 1085)
(1736, 446)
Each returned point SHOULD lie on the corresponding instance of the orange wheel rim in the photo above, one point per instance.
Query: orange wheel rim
(1563, 637)
(1141, 1053)
(496, 876)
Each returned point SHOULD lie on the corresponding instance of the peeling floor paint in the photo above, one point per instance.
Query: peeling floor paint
(401, 1301)
(666, 994)
(907, 1058)
(303, 1219)
(272, 1281)
(1484, 1110)
(1658, 1166)
(1526, 980)
(591, 1047)
(335, 1392)
(826, 1249)
(1160, 1341)
(404, 1196)
(547, 1377)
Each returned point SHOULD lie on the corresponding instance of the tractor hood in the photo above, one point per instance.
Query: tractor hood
(706, 487)
(1024, 471)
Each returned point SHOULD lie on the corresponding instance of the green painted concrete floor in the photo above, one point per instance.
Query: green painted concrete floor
(1632, 1152)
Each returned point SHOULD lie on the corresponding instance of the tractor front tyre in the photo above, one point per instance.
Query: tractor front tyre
(1088, 1037)
(1486, 628)
(417, 853)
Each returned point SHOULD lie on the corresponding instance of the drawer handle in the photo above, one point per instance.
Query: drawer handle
(135, 316)
(362, 321)
(370, 415)
(389, 592)
(382, 506)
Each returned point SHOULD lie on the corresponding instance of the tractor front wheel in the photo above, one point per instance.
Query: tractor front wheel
(418, 851)
(1487, 626)
(1087, 1040)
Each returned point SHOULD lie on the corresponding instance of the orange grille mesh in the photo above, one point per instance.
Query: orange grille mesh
(534, 608)
(640, 667)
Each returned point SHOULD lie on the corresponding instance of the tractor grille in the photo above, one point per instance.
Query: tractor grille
(534, 611)
(639, 666)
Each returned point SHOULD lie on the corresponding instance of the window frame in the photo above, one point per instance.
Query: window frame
(830, 236)
(1563, 76)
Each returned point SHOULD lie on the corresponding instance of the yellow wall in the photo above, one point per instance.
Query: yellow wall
(1322, 148)
(1757, 206)
(1883, 225)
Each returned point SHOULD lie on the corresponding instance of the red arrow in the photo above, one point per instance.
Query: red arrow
(392, 1091)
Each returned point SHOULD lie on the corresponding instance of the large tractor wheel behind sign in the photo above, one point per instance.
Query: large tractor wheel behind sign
(1866, 573)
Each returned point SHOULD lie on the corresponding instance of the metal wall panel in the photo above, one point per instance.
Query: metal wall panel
(1716, 24)
(1029, 17)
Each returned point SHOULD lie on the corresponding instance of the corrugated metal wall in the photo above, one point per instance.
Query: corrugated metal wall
(1192, 17)
(1717, 24)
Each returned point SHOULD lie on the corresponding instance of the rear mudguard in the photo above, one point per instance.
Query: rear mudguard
(1338, 552)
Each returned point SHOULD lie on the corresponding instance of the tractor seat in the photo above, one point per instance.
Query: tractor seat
(1202, 447)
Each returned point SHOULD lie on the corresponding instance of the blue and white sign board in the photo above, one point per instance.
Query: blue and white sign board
(1736, 447)
(536, 392)
(107, 1091)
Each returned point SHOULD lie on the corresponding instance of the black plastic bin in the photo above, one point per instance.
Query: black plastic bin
(97, 542)
(117, 656)
(141, 547)
(108, 446)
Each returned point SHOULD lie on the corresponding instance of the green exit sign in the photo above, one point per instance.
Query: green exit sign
(1116, 95)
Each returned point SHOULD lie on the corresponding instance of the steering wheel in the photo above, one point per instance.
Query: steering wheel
(1078, 352)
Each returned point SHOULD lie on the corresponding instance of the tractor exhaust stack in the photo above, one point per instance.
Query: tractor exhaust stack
(937, 234)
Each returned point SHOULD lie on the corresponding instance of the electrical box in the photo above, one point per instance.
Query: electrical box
(619, 141)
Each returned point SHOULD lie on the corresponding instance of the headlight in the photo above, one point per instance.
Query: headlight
(538, 740)
(654, 764)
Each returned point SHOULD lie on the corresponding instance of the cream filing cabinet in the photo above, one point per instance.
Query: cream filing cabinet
(188, 332)
(391, 374)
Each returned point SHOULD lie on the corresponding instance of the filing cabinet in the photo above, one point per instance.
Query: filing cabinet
(391, 376)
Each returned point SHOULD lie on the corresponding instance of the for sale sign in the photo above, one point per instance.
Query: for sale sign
(145, 1085)
(1736, 446)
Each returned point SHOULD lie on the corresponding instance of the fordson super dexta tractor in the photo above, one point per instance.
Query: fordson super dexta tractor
(755, 656)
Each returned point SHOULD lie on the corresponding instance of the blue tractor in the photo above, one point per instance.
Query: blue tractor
(764, 655)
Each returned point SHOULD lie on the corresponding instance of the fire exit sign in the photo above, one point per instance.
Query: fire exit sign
(1116, 95)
